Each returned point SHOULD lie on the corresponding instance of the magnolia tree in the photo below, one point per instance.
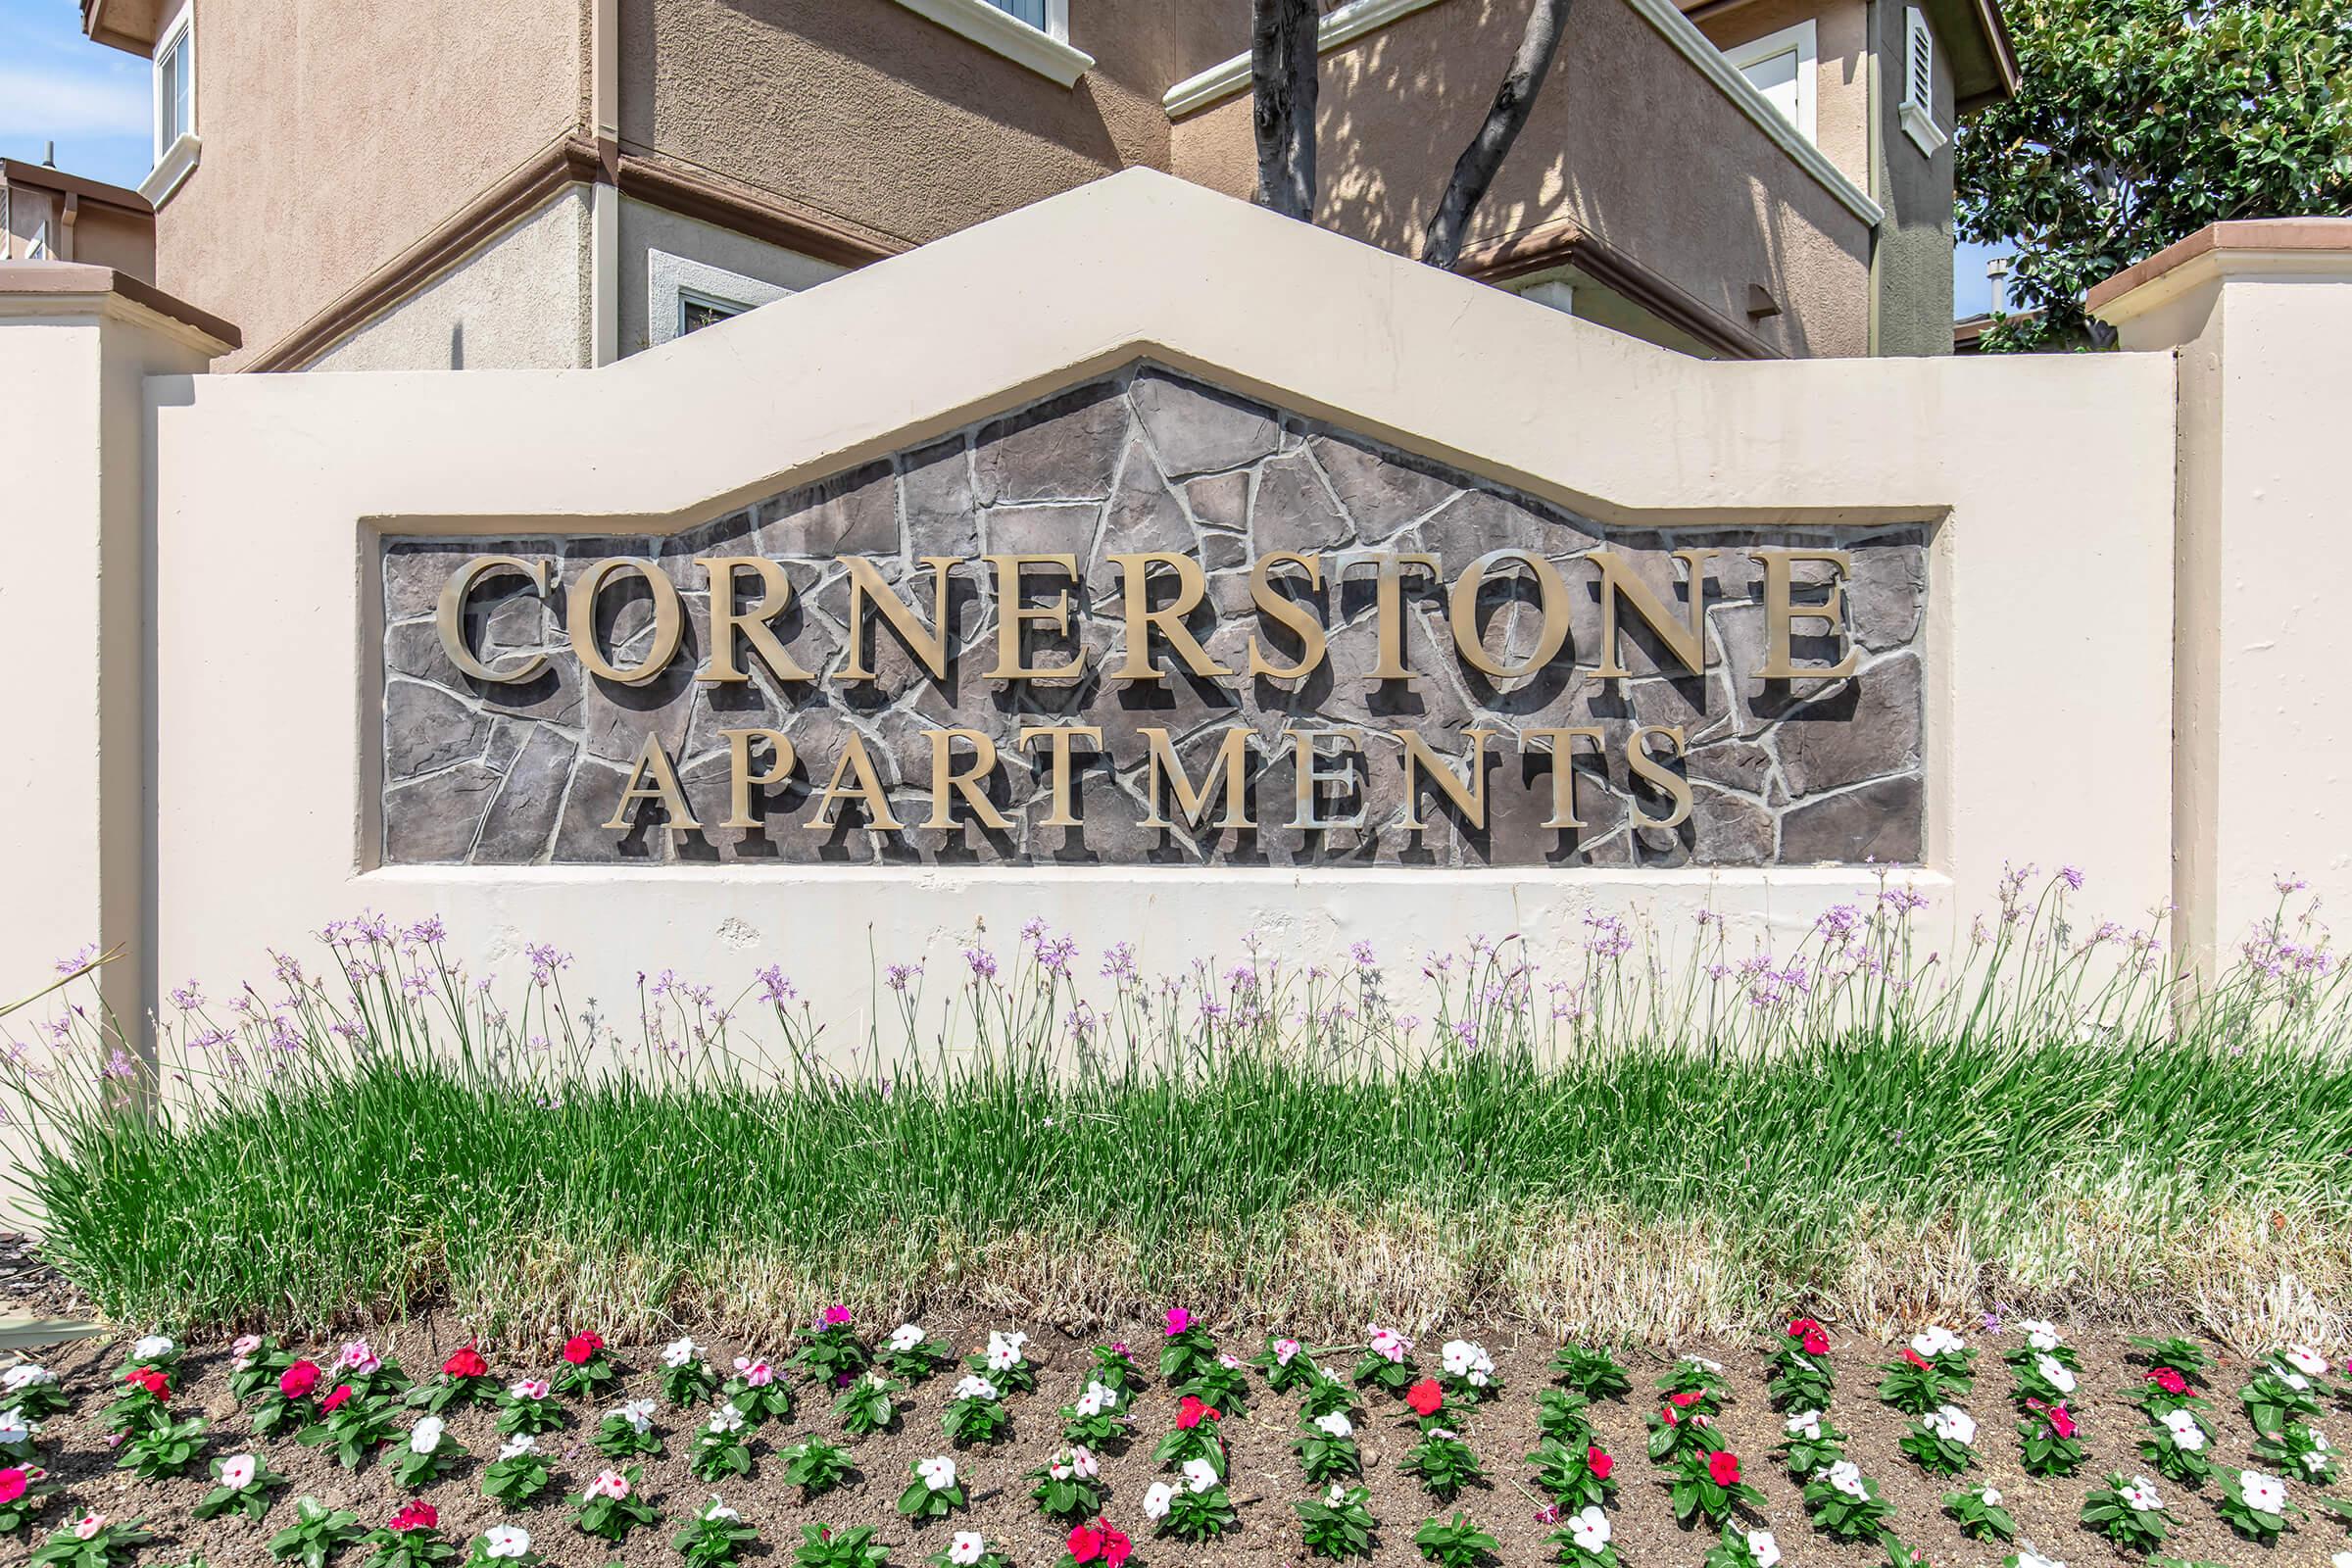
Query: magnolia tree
(2141, 122)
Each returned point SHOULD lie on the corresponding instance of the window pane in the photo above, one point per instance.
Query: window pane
(1033, 12)
(695, 314)
(171, 93)
(1776, 80)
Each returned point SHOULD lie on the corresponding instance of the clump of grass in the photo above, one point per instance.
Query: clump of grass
(1643, 1153)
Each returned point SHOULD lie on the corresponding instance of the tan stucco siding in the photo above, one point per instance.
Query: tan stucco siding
(1841, 71)
(864, 109)
(336, 136)
(1626, 138)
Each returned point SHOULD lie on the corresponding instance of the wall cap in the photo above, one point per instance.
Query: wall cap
(2305, 246)
(27, 286)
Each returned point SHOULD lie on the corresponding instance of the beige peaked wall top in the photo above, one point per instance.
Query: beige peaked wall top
(2049, 628)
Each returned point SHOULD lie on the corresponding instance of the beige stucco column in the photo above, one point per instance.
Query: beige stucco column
(79, 347)
(2258, 316)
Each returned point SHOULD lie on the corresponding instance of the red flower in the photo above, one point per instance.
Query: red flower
(1425, 1397)
(1800, 1327)
(1672, 1419)
(2170, 1380)
(1685, 1399)
(1914, 1357)
(1724, 1466)
(13, 1482)
(580, 1347)
(151, 1380)
(466, 1364)
(419, 1514)
(1116, 1547)
(1192, 1412)
(334, 1400)
(1815, 1342)
(2060, 1422)
(297, 1381)
(1599, 1463)
(1086, 1544)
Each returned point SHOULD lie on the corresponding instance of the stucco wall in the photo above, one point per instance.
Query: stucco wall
(519, 303)
(335, 136)
(270, 489)
(645, 229)
(1841, 70)
(868, 110)
(1626, 138)
(1914, 265)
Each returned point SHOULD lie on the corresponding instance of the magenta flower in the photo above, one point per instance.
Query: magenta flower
(836, 1315)
(1178, 1321)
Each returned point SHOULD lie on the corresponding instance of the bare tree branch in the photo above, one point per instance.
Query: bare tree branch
(1283, 79)
(1474, 172)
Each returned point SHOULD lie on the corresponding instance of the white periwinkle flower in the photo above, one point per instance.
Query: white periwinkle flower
(26, 1374)
(681, 1353)
(1200, 1475)
(1590, 1528)
(516, 1446)
(425, 1435)
(2054, 1373)
(2039, 1334)
(2027, 1557)
(150, 1347)
(1804, 1424)
(1952, 1423)
(719, 1511)
(506, 1541)
(1337, 1424)
(936, 1472)
(975, 1388)
(2260, 1493)
(1932, 1343)
(726, 1418)
(639, 1414)
(2139, 1494)
(237, 1471)
(1468, 1361)
(1763, 1548)
(2188, 1434)
(966, 1545)
(1158, 1498)
(905, 1337)
(2303, 1358)
(1846, 1477)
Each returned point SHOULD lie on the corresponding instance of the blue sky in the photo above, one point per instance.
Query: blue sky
(93, 103)
(57, 85)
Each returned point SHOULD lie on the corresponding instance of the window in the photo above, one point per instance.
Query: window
(175, 84)
(1785, 68)
(1033, 12)
(38, 250)
(1918, 111)
(1035, 33)
(698, 311)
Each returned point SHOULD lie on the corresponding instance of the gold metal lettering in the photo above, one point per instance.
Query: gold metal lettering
(1462, 614)
(1389, 567)
(741, 781)
(1689, 641)
(1227, 769)
(1135, 576)
(775, 593)
(1563, 776)
(1468, 797)
(670, 621)
(1645, 768)
(928, 644)
(1013, 617)
(1308, 777)
(1289, 613)
(867, 789)
(946, 781)
(450, 618)
(1780, 613)
(654, 760)
(1057, 738)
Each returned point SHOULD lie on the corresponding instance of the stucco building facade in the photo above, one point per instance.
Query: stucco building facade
(553, 183)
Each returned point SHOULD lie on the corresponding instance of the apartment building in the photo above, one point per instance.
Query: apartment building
(563, 182)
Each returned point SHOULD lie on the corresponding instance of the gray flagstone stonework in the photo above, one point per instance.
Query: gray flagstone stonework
(1792, 772)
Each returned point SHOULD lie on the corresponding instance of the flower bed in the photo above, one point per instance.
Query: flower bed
(1571, 1469)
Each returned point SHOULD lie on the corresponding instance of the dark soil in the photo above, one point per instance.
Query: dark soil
(1265, 1477)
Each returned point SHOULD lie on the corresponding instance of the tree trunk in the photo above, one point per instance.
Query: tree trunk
(1283, 77)
(1474, 172)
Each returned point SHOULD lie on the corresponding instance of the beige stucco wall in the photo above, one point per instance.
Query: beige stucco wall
(519, 303)
(871, 111)
(2048, 735)
(2261, 768)
(1625, 137)
(645, 229)
(1840, 75)
(335, 136)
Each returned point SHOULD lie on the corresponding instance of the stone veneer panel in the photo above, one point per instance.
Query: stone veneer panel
(1147, 459)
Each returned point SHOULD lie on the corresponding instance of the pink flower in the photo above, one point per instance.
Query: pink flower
(357, 1358)
(610, 1484)
(88, 1524)
(417, 1514)
(244, 1345)
(1599, 1463)
(297, 1381)
(1178, 1321)
(1724, 1466)
(758, 1374)
(1193, 1411)
(2170, 1380)
(580, 1347)
(13, 1483)
(836, 1316)
(334, 1400)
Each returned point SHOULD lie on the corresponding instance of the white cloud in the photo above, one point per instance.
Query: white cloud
(72, 102)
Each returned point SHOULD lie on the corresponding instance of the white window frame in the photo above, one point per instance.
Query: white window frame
(1804, 40)
(38, 248)
(1918, 110)
(176, 159)
(1045, 51)
(672, 280)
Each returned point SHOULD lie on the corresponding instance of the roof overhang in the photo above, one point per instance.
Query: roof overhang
(16, 172)
(1975, 35)
(131, 26)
